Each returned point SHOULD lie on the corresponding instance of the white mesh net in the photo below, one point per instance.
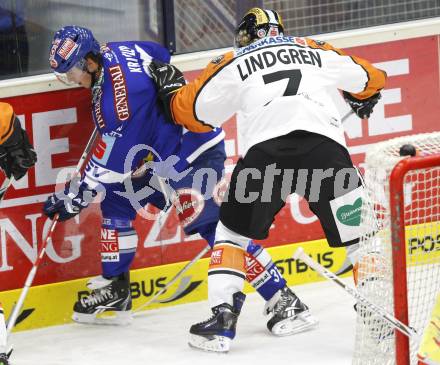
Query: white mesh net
(375, 340)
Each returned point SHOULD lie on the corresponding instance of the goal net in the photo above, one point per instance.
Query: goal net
(399, 265)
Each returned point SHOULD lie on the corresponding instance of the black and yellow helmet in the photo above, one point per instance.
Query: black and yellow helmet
(256, 24)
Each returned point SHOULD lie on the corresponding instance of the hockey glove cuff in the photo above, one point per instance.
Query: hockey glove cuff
(362, 108)
(168, 80)
(17, 154)
(68, 203)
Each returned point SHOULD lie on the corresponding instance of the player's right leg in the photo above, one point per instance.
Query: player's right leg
(261, 272)
(110, 291)
(240, 222)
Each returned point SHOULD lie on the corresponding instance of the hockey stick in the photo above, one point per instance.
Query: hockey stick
(173, 280)
(346, 116)
(5, 186)
(406, 330)
(30, 278)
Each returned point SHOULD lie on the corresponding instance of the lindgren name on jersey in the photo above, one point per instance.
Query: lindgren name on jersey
(261, 60)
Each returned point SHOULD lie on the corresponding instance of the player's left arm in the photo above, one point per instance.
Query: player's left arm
(205, 103)
(360, 82)
(17, 155)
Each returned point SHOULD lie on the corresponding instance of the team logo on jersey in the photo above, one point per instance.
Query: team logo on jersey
(119, 93)
(67, 48)
(109, 245)
(103, 149)
(189, 205)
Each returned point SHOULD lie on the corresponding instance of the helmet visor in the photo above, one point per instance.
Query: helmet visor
(74, 75)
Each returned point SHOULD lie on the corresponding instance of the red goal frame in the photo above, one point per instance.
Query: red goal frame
(397, 211)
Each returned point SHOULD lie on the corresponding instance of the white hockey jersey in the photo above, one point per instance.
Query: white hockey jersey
(275, 85)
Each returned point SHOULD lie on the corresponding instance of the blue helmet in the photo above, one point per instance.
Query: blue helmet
(69, 46)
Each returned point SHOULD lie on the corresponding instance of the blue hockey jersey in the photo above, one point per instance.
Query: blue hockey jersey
(129, 119)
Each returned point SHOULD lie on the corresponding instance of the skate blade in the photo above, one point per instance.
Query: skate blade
(122, 318)
(219, 344)
(293, 325)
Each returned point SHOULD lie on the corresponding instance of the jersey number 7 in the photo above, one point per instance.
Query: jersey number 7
(294, 77)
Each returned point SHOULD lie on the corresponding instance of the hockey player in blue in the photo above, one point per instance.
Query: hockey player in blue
(133, 130)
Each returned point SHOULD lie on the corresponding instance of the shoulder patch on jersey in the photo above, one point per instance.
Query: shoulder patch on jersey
(218, 59)
(300, 41)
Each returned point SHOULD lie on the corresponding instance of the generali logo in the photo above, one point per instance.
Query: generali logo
(119, 93)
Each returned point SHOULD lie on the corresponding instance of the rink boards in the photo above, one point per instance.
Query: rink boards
(52, 304)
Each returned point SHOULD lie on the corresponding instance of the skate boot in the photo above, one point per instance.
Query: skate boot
(108, 295)
(216, 333)
(290, 315)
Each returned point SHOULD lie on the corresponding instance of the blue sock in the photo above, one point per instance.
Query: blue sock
(261, 272)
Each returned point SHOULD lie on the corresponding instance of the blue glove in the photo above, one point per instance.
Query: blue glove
(68, 203)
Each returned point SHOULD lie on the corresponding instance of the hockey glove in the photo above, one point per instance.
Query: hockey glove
(168, 80)
(17, 154)
(68, 203)
(362, 108)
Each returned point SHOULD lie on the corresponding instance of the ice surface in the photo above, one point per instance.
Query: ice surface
(159, 337)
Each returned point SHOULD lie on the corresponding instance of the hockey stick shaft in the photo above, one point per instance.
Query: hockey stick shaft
(346, 116)
(32, 273)
(174, 279)
(407, 331)
(5, 186)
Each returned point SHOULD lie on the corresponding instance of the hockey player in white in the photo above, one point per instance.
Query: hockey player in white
(278, 86)
(16, 157)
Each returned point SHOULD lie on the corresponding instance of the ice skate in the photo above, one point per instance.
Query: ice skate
(290, 315)
(217, 333)
(108, 295)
